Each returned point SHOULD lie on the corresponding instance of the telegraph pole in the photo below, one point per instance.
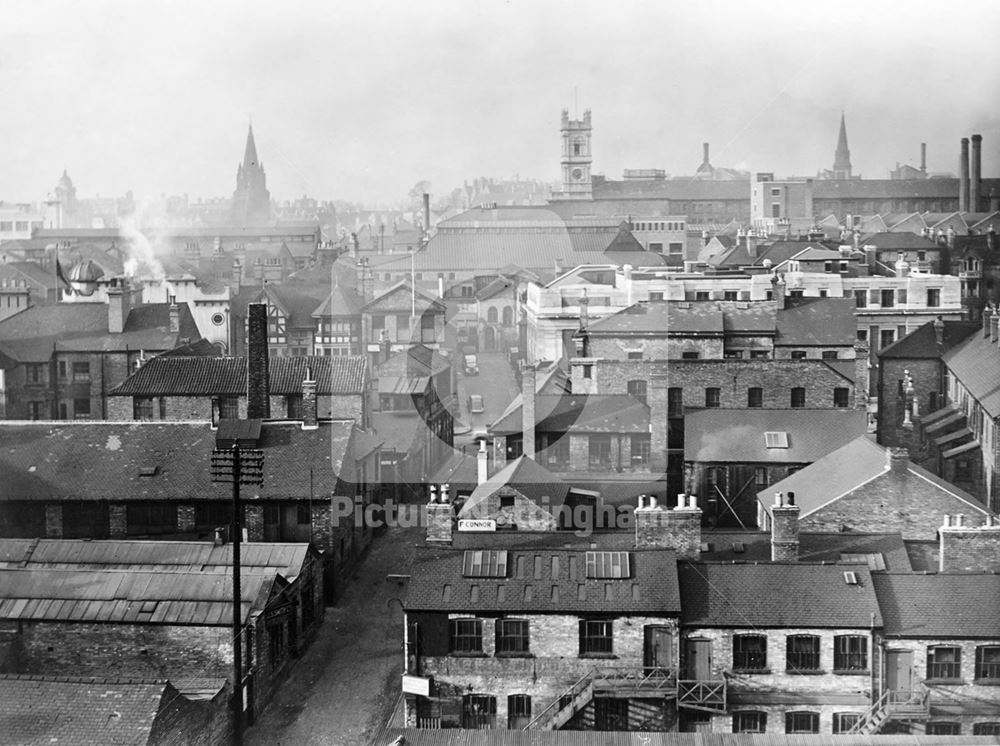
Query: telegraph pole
(237, 466)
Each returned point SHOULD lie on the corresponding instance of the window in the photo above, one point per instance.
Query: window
(606, 565)
(639, 449)
(675, 248)
(749, 722)
(595, 637)
(850, 653)
(479, 711)
(829, 354)
(588, 371)
(142, 408)
(802, 654)
(775, 209)
(637, 389)
(750, 652)
(943, 729)
(518, 711)
(988, 662)
(712, 396)
(599, 451)
(488, 563)
(228, 407)
(35, 410)
(841, 397)
(466, 636)
(675, 402)
(656, 247)
(656, 296)
(986, 729)
(81, 408)
(933, 297)
(690, 355)
(798, 354)
(944, 662)
(844, 721)
(801, 722)
(798, 398)
(81, 372)
(293, 406)
(702, 295)
(730, 295)
(758, 354)
(886, 337)
(512, 636)
(34, 373)
(755, 397)
(888, 298)
(760, 477)
(635, 355)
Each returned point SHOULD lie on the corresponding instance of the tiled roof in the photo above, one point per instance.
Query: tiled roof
(341, 302)
(776, 595)
(201, 348)
(119, 554)
(528, 477)
(79, 460)
(651, 589)
(921, 343)
(580, 413)
(844, 470)
(902, 240)
(41, 710)
(30, 336)
(737, 436)
(217, 376)
(974, 363)
(401, 296)
(946, 605)
(183, 598)
(816, 322)
(815, 254)
(755, 546)
(781, 251)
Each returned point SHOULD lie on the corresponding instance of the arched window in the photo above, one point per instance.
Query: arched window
(508, 316)
(491, 315)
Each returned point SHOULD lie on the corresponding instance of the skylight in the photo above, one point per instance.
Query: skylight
(607, 565)
(776, 439)
(491, 563)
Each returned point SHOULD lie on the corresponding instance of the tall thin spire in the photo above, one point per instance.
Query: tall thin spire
(842, 158)
(250, 154)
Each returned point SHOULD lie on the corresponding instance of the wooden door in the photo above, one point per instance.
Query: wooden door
(658, 650)
(899, 670)
(698, 659)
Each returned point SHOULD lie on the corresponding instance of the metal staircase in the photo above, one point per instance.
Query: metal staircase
(893, 705)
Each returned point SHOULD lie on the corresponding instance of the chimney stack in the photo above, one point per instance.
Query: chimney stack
(897, 460)
(482, 463)
(310, 415)
(175, 316)
(427, 214)
(778, 291)
(258, 387)
(237, 275)
(938, 331)
(976, 176)
(528, 411)
(704, 148)
(923, 158)
(439, 516)
(970, 548)
(784, 528)
(119, 303)
(987, 313)
(963, 177)
(678, 529)
(861, 352)
(657, 399)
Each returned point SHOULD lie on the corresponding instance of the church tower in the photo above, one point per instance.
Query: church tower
(251, 200)
(576, 157)
(842, 158)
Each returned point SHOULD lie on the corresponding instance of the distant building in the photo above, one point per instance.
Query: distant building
(251, 200)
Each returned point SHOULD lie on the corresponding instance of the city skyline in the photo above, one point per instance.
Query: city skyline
(360, 104)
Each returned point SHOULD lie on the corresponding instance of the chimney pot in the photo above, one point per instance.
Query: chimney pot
(897, 459)
(692, 502)
(433, 494)
(444, 493)
(681, 499)
(642, 503)
(960, 520)
(652, 502)
(790, 498)
(777, 500)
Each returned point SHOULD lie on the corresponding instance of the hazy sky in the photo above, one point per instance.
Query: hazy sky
(359, 100)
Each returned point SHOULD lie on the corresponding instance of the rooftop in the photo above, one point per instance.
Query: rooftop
(954, 605)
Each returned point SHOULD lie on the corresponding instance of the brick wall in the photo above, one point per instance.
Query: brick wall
(525, 513)
(970, 549)
(53, 521)
(678, 529)
(926, 380)
(195, 723)
(117, 520)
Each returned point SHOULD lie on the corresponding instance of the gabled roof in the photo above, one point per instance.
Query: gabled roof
(922, 344)
(651, 588)
(78, 460)
(846, 469)
(201, 348)
(975, 363)
(816, 254)
(399, 297)
(32, 334)
(43, 710)
(529, 478)
(776, 595)
(954, 605)
(415, 361)
(845, 547)
(495, 288)
(218, 376)
(901, 240)
(651, 317)
(826, 322)
(737, 436)
(579, 413)
(781, 251)
(341, 302)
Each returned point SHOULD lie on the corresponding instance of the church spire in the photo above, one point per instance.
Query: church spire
(250, 154)
(842, 158)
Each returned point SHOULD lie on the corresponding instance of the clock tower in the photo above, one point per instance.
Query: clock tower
(576, 157)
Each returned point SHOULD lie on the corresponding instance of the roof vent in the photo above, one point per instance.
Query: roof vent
(149, 471)
(851, 578)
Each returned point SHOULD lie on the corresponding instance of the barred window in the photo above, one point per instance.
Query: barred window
(802, 654)
(749, 652)
(944, 662)
(512, 636)
(518, 711)
(466, 636)
(595, 637)
(943, 729)
(986, 729)
(801, 722)
(988, 662)
(749, 721)
(850, 653)
(844, 721)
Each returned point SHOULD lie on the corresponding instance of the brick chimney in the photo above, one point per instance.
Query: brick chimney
(994, 320)
(976, 175)
(923, 158)
(528, 411)
(482, 463)
(584, 310)
(309, 411)
(657, 400)
(237, 275)
(119, 305)
(678, 529)
(987, 313)
(861, 351)
(938, 331)
(963, 176)
(897, 460)
(778, 291)
(258, 386)
(439, 513)
(969, 548)
(175, 316)
(784, 528)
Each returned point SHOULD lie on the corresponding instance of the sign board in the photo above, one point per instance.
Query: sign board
(416, 685)
(477, 524)
(374, 348)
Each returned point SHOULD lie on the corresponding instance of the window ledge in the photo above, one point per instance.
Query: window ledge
(817, 672)
(752, 671)
(458, 654)
(948, 682)
(606, 656)
(851, 672)
(515, 655)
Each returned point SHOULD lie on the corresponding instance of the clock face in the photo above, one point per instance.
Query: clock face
(577, 173)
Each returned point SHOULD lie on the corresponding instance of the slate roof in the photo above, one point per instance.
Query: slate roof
(217, 376)
(651, 589)
(814, 254)
(288, 559)
(826, 322)
(579, 413)
(529, 478)
(495, 288)
(80, 460)
(32, 334)
(901, 240)
(41, 710)
(921, 343)
(781, 251)
(181, 598)
(776, 595)
(842, 471)
(952, 605)
(737, 435)
(341, 302)
(975, 363)
(826, 547)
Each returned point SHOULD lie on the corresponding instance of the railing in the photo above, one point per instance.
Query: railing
(903, 704)
(701, 694)
(873, 717)
(565, 699)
